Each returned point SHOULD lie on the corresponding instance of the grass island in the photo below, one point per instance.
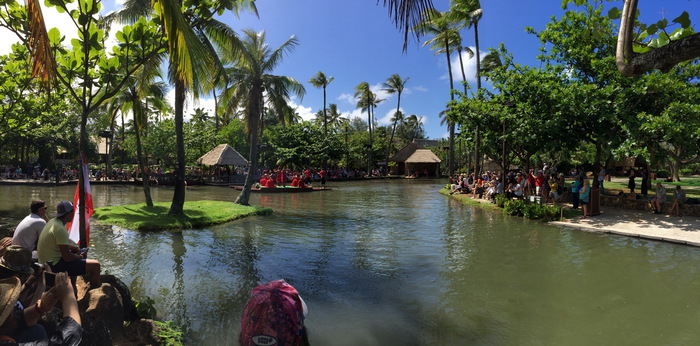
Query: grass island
(197, 214)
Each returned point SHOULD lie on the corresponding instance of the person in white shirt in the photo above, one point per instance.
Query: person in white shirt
(27, 232)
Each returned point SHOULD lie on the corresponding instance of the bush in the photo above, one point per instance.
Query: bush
(501, 200)
(514, 207)
(530, 210)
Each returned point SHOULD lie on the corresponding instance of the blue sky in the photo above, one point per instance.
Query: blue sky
(354, 41)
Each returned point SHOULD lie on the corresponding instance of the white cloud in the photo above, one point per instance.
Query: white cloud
(469, 66)
(419, 88)
(386, 119)
(349, 98)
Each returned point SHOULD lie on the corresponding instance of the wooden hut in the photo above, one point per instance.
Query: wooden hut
(223, 156)
(415, 161)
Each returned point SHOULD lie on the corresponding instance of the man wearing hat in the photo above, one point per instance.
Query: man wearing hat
(27, 232)
(61, 253)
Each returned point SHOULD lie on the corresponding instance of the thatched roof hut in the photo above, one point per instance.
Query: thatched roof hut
(223, 155)
(415, 161)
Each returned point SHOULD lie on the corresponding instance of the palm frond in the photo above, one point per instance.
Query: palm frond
(43, 63)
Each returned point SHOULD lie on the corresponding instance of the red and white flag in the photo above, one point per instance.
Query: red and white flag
(74, 227)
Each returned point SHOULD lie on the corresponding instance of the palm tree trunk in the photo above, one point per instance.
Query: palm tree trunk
(176, 207)
(253, 124)
(142, 167)
(393, 130)
(478, 93)
(450, 124)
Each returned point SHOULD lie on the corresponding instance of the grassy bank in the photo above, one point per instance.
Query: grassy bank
(546, 212)
(197, 214)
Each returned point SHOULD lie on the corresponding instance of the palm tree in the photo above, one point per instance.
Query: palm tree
(142, 95)
(444, 31)
(367, 100)
(251, 81)
(334, 116)
(470, 12)
(414, 124)
(394, 85)
(320, 80)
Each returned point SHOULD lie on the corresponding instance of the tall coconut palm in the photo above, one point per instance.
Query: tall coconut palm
(251, 82)
(470, 12)
(367, 100)
(394, 85)
(444, 31)
(193, 37)
(320, 80)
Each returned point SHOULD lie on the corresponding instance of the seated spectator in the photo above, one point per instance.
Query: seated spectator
(27, 232)
(516, 191)
(678, 200)
(62, 254)
(659, 198)
(274, 315)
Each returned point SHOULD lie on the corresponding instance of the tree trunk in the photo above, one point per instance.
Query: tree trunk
(81, 180)
(142, 167)
(176, 207)
(393, 130)
(450, 124)
(253, 125)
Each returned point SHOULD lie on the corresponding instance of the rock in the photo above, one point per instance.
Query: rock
(142, 332)
(104, 303)
(95, 331)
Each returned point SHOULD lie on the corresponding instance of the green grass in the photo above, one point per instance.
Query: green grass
(197, 214)
(691, 185)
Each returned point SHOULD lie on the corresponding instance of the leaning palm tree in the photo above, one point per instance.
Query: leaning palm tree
(251, 82)
(320, 80)
(394, 85)
(444, 31)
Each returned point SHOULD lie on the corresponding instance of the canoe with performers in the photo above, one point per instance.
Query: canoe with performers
(281, 189)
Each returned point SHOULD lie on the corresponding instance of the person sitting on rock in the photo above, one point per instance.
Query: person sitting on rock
(27, 232)
(274, 315)
(14, 321)
(61, 253)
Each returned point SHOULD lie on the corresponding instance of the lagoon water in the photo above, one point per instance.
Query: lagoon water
(396, 263)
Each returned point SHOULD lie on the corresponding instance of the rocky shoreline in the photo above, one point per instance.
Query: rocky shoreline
(108, 315)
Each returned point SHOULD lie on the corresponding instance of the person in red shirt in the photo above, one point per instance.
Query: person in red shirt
(281, 177)
(270, 184)
(322, 173)
(301, 182)
(539, 182)
(295, 181)
(263, 180)
(307, 175)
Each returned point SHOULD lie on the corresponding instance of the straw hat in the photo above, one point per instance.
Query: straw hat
(9, 292)
(17, 259)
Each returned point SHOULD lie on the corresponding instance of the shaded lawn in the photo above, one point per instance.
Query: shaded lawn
(197, 214)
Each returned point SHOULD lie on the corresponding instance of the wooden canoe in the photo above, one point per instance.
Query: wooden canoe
(280, 189)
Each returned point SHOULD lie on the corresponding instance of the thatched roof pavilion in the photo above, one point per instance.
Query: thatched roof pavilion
(416, 161)
(223, 155)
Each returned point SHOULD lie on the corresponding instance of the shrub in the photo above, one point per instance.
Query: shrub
(514, 207)
(501, 200)
(529, 210)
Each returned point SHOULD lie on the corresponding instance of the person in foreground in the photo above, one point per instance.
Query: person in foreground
(274, 315)
(68, 332)
(61, 253)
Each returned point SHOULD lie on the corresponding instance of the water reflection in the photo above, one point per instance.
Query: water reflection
(393, 262)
